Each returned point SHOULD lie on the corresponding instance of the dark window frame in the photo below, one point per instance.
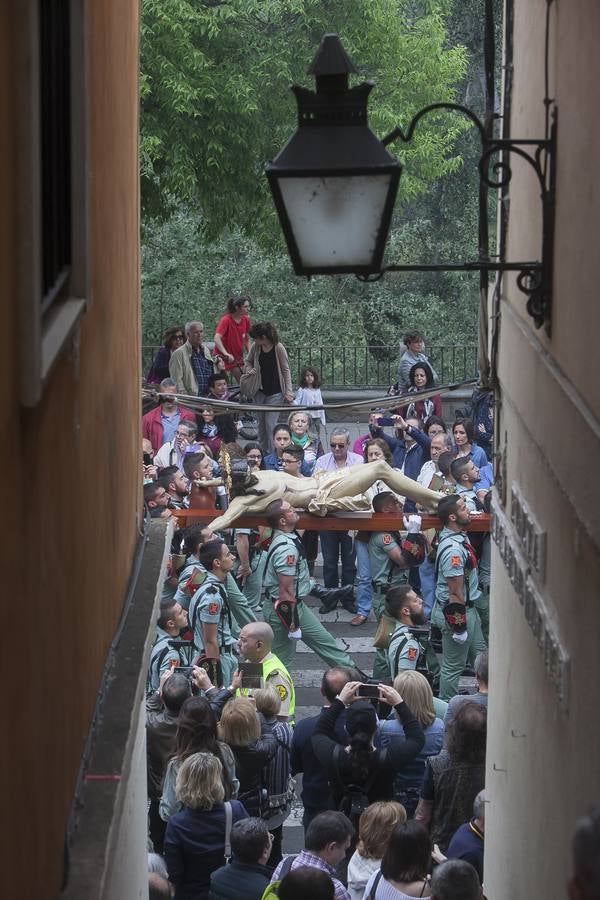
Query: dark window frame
(52, 260)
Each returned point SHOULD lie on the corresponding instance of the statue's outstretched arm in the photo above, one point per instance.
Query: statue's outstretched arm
(239, 506)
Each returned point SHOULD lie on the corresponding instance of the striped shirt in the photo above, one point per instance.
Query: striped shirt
(278, 770)
(305, 858)
(202, 369)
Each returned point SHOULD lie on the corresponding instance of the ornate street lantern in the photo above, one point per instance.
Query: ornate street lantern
(334, 183)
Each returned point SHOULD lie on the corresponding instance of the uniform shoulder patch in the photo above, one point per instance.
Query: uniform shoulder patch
(283, 691)
(291, 560)
(387, 539)
(455, 561)
(412, 653)
(213, 609)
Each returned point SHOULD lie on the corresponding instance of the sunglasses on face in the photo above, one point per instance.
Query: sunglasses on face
(337, 446)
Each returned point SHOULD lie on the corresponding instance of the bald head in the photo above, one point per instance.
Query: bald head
(334, 680)
(256, 640)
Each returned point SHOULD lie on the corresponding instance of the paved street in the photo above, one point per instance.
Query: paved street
(307, 676)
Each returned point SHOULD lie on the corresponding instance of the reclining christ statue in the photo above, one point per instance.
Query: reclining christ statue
(252, 490)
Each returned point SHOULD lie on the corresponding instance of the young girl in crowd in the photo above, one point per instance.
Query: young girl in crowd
(216, 429)
(309, 394)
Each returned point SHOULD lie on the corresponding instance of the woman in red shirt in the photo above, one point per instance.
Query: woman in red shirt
(231, 337)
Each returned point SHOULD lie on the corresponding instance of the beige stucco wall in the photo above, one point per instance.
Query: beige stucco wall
(542, 767)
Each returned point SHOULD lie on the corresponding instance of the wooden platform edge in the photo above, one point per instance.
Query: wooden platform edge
(371, 522)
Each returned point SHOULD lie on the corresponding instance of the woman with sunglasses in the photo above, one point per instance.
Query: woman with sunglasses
(174, 337)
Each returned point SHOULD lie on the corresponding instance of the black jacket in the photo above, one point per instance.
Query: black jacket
(250, 762)
(161, 727)
(386, 764)
(315, 788)
(239, 881)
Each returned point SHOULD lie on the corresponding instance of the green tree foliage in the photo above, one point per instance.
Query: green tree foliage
(185, 277)
(214, 104)
(214, 108)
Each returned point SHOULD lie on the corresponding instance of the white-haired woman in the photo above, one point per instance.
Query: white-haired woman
(302, 436)
(195, 837)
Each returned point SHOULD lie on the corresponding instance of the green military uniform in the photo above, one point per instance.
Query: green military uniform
(238, 603)
(410, 648)
(385, 574)
(286, 557)
(482, 604)
(258, 557)
(454, 559)
(161, 657)
(403, 651)
(469, 496)
(210, 606)
(276, 675)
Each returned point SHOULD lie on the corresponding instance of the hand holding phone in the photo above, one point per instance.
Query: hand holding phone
(368, 691)
(252, 674)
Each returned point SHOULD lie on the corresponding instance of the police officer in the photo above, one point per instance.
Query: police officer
(287, 584)
(456, 594)
(390, 563)
(172, 620)
(255, 642)
(209, 613)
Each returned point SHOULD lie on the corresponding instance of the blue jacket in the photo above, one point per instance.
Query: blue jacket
(195, 847)
(467, 844)
(412, 459)
(272, 461)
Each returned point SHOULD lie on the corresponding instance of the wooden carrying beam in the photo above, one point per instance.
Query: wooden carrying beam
(370, 522)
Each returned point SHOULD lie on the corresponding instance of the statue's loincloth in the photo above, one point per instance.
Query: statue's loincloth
(323, 502)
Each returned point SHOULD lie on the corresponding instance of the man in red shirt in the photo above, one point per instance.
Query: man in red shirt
(160, 424)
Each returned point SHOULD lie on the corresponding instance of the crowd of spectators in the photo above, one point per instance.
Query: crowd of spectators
(392, 785)
(220, 767)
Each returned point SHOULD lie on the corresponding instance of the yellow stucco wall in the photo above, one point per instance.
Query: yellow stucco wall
(73, 507)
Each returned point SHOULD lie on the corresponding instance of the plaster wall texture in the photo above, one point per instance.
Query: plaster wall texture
(542, 771)
(72, 500)
(127, 872)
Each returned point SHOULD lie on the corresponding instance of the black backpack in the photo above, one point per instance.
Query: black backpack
(355, 798)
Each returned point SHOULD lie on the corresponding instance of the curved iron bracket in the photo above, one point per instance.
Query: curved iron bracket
(534, 277)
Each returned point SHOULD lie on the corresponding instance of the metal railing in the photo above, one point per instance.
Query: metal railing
(366, 367)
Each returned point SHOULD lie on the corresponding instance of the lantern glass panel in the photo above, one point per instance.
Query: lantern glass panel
(335, 220)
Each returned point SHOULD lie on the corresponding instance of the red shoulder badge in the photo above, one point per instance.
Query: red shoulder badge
(213, 609)
(412, 653)
(291, 560)
(455, 561)
(387, 539)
